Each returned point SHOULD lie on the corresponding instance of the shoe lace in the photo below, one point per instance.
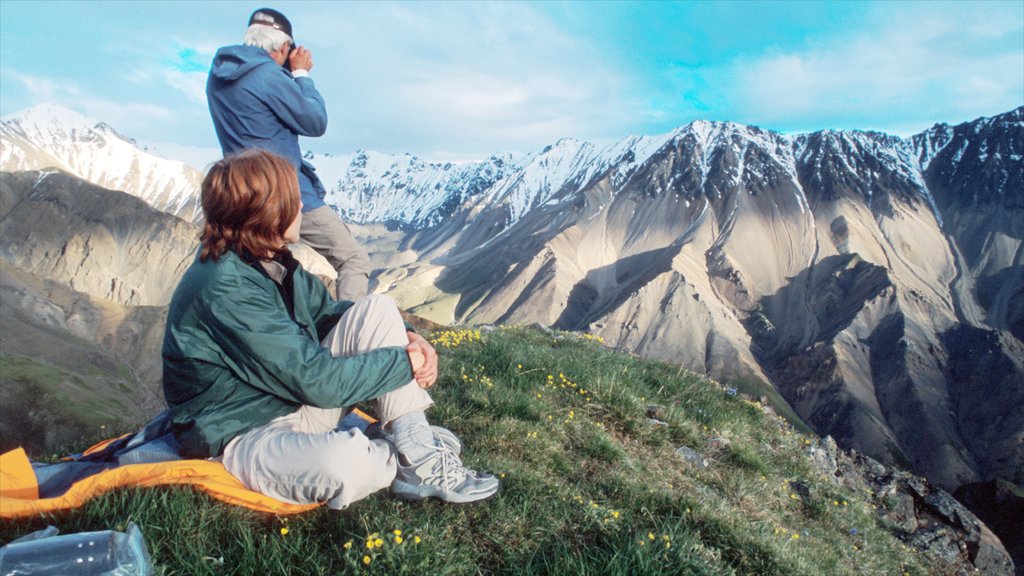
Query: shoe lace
(452, 470)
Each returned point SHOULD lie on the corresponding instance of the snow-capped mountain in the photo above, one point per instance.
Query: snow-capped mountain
(195, 156)
(51, 136)
(404, 190)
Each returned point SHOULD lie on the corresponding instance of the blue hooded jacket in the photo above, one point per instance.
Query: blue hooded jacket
(255, 102)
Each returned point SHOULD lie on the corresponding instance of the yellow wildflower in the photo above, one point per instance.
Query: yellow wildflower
(416, 540)
(284, 531)
(366, 560)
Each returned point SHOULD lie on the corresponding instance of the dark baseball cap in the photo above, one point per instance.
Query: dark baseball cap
(272, 18)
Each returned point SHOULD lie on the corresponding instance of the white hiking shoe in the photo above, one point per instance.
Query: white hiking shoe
(447, 437)
(442, 476)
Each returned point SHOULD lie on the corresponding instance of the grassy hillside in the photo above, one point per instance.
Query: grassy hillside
(43, 407)
(592, 485)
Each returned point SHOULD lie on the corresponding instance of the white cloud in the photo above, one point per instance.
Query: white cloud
(475, 76)
(43, 89)
(191, 84)
(131, 118)
(914, 65)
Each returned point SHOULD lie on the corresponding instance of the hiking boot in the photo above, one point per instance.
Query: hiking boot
(448, 438)
(442, 475)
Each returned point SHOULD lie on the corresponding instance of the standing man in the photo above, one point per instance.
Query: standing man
(260, 95)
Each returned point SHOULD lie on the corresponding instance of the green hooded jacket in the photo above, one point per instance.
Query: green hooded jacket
(235, 356)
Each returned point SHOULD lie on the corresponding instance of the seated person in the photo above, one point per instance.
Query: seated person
(260, 364)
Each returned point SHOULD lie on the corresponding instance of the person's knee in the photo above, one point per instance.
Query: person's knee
(354, 262)
(380, 301)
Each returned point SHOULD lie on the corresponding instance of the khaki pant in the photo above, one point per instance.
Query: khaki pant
(324, 231)
(302, 458)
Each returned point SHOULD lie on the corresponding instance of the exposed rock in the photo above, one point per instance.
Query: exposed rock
(718, 443)
(691, 458)
(927, 518)
(657, 412)
(1000, 505)
(823, 453)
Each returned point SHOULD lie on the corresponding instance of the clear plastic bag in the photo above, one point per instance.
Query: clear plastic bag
(105, 553)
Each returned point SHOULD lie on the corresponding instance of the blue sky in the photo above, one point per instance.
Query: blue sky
(462, 80)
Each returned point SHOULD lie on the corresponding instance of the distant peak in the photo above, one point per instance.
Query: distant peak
(49, 112)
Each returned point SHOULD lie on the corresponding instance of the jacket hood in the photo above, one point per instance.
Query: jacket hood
(233, 62)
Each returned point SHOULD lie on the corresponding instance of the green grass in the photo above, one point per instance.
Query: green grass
(591, 486)
(43, 407)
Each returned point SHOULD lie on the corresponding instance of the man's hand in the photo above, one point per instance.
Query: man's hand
(301, 59)
(423, 359)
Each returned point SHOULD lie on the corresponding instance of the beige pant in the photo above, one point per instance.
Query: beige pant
(301, 457)
(325, 232)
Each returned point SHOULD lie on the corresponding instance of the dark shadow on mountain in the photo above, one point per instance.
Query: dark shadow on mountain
(586, 304)
(816, 305)
(986, 376)
(577, 309)
(1000, 505)
(1004, 289)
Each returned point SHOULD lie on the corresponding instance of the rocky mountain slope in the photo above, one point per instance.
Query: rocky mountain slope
(104, 243)
(85, 275)
(73, 366)
(872, 281)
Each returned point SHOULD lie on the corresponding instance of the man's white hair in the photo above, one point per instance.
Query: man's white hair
(267, 37)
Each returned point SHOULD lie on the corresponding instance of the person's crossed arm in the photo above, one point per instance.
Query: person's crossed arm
(423, 358)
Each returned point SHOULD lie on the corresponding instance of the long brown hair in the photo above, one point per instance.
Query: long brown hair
(249, 200)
